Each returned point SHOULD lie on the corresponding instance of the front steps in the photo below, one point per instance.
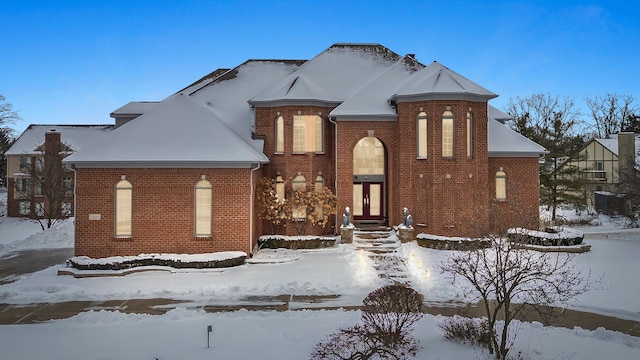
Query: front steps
(378, 239)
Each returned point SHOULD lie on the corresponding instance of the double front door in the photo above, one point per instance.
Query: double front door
(368, 200)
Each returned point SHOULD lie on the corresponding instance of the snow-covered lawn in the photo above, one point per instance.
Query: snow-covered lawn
(344, 271)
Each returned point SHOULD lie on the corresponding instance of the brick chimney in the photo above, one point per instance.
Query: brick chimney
(626, 151)
(52, 141)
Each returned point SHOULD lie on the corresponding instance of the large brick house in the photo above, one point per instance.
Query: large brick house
(383, 131)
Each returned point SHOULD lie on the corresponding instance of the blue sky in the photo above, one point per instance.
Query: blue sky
(74, 62)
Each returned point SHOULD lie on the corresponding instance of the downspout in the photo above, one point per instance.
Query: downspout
(335, 160)
(252, 213)
(75, 220)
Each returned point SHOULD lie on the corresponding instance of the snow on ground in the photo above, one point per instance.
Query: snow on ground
(181, 333)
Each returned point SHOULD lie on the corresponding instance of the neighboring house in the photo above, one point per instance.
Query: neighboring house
(601, 160)
(381, 130)
(26, 159)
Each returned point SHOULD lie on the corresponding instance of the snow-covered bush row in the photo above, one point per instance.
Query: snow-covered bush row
(554, 236)
(198, 261)
(296, 242)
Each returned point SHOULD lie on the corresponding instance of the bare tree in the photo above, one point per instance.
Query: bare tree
(50, 189)
(552, 122)
(389, 315)
(612, 113)
(7, 116)
(508, 278)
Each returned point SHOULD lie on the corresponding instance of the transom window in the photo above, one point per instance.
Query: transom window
(469, 135)
(124, 201)
(368, 157)
(203, 199)
(447, 134)
(279, 135)
(307, 134)
(501, 185)
(421, 136)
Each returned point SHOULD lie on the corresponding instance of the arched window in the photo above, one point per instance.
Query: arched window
(447, 134)
(123, 208)
(203, 200)
(280, 188)
(299, 183)
(279, 135)
(501, 185)
(421, 135)
(469, 135)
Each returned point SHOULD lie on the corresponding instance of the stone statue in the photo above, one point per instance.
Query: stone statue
(407, 219)
(346, 216)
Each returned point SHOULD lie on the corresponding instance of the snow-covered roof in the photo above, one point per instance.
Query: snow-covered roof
(611, 143)
(227, 95)
(438, 82)
(497, 114)
(179, 132)
(505, 142)
(371, 101)
(329, 78)
(134, 108)
(76, 137)
(362, 81)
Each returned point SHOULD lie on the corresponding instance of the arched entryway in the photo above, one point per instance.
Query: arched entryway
(369, 191)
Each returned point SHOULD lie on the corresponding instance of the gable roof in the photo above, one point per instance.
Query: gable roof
(177, 133)
(75, 137)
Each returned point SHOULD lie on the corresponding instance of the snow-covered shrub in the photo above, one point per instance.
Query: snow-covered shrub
(465, 330)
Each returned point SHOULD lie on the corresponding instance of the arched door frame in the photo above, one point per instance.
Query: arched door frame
(369, 181)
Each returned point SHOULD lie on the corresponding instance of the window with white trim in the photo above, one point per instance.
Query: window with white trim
(67, 186)
(203, 201)
(421, 135)
(279, 125)
(307, 134)
(66, 209)
(123, 209)
(501, 185)
(22, 184)
(25, 208)
(447, 134)
(39, 209)
(39, 183)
